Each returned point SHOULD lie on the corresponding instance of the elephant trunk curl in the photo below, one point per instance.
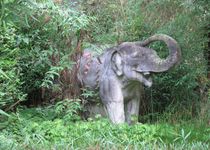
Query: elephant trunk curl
(162, 65)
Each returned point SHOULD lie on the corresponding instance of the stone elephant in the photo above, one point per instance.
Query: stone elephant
(120, 72)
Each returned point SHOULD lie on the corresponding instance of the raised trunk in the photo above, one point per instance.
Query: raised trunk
(162, 65)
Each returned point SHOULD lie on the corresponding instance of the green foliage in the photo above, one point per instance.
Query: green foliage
(50, 76)
(52, 37)
(10, 83)
(68, 110)
(36, 42)
(40, 128)
(180, 87)
(90, 95)
(4, 113)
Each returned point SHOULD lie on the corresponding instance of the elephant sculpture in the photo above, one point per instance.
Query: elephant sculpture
(121, 70)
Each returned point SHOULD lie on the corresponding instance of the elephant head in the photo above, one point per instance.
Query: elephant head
(135, 61)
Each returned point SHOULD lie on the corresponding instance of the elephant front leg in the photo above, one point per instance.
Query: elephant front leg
(115, 111)
(112, 98)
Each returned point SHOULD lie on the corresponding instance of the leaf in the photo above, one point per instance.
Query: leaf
(26, 21)
(187, 135)
(53, 72)
(4, 113)
(4, 74)
(26, 40)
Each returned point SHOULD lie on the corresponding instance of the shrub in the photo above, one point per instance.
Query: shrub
(39, 40)
(10, 83)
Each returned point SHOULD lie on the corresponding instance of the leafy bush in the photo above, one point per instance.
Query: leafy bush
(39, 38)
(10, 83)
(68, 109)
(53, 37)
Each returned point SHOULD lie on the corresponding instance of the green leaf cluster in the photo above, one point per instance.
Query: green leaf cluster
(10, 83)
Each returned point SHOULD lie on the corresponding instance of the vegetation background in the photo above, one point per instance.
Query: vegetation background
(40, 100)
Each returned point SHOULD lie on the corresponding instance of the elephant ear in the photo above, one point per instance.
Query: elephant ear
(116, 63)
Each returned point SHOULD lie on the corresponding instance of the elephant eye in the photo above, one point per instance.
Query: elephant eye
(135, 66)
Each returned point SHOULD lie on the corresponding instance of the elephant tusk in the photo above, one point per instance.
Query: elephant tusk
(146, 73)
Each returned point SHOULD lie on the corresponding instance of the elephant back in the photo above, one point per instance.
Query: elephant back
(89, 70)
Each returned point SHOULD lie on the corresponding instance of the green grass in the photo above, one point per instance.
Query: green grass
(38, 128)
